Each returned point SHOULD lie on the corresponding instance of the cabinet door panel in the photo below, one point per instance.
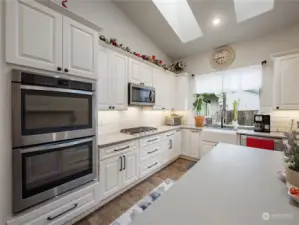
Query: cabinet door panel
(79, 49)
(110, 176)
(103, 79)
(178, 142)
(119, 81)
(134, 71)
(146, 73)
(185, 142)
(131, 173)
(194, 144)
(33, 35)
(289, 79)
(158, 83)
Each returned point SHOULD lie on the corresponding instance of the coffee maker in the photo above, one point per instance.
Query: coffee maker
(262, 123)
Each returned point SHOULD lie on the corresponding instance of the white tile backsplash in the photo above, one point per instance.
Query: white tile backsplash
(114, 121)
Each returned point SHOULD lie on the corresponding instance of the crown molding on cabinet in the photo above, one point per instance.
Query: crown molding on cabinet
(284, 53)
(53, 5)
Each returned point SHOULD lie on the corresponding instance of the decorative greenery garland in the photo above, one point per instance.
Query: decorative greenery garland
(176, 67)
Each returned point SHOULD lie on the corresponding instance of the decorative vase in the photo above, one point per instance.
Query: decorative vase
(235, 124)
(292, 177)
(199, 121)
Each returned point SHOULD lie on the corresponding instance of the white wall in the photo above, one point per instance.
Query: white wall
(5, 130)
(116, 25)
(249, 52)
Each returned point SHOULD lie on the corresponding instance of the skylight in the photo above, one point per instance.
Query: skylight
(246, 9)
(179, 16)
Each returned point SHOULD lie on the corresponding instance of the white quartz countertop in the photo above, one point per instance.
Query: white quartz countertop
(117, 137)
(231, 185)
(113, 138)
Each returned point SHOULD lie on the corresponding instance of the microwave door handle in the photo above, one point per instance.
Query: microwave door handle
(54, 146)
(39, 88)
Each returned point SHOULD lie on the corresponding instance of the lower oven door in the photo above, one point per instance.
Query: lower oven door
(43, 172)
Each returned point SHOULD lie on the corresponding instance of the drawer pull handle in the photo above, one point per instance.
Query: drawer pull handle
(152, 140)
(152, 151)
(120, 149)
(194, 131)
(70, 209)
(152, 165)
(168, 135)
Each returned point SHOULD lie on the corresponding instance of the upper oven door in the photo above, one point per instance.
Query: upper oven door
(141, 95)
(46, 114)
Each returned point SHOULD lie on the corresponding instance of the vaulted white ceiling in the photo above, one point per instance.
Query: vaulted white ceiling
(148, 18)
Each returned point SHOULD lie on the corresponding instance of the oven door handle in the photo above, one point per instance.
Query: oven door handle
(54, 146)
(40, 88)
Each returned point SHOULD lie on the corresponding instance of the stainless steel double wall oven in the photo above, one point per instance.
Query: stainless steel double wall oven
(53, 136)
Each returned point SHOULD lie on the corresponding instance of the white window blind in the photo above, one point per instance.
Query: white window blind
(240, 79)
(208, 83)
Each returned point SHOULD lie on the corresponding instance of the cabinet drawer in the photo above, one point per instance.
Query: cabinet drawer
(150, 151)
(150, 165)
(169, 134)
(150, 140)
(61, 211)
(117, 149)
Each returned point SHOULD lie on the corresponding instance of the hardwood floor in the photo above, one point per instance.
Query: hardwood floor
(112, 210)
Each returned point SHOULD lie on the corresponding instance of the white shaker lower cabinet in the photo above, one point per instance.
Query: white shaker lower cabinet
(191, 143)
(112, 85)
(285, 82)
(206, 147)
(110, 175)
(61, 211)
(118, 171)
(130, 172)
(178, 142)
(169, 147)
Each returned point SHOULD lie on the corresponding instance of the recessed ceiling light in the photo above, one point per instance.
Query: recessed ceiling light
(216, 21)
(180, 17)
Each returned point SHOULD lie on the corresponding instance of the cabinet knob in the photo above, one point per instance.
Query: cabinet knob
(59, 68)
(110, 107)
(66, 70)
(113, 107)
(277, 107)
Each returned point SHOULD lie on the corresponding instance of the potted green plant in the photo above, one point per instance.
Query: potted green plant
(291, 151)
(197, 106)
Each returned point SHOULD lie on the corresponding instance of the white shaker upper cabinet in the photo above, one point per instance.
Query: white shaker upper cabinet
(33, 35)
(158, 84)
(118, 67)
(146, 73)
(103, 81)
(112, 84)
(79, 44)
(286, 80)
(134, 71)
(140, 73)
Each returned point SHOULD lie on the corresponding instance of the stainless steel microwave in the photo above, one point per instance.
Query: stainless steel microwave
(141, 95)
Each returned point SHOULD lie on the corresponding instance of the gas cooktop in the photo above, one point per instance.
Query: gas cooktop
(139, 130)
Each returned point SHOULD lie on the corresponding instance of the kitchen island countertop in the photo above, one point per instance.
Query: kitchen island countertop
(231, 185)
